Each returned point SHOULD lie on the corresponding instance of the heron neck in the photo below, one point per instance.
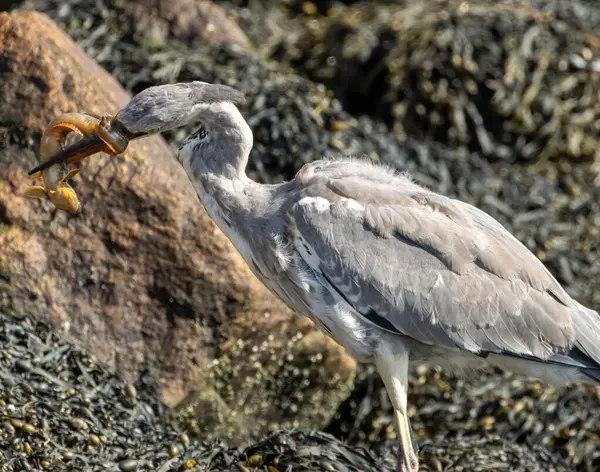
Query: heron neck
(235, 143)
(234, 204)
(234, 196)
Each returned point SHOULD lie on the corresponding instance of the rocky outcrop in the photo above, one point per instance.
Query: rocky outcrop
(142, 276)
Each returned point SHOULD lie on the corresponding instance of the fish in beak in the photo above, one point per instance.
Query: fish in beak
(58, 164)
(153, 110)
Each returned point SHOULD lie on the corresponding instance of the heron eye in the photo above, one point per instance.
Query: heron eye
(201, 133)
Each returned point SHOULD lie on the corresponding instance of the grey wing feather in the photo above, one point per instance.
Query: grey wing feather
(435, 269)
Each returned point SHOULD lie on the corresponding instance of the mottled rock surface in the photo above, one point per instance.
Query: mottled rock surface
(142, 275)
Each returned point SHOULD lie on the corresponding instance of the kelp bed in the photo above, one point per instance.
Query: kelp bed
(511, 80)
(59, 410)
(536, 174)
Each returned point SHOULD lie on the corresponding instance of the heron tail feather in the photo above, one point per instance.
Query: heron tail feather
(593, 375)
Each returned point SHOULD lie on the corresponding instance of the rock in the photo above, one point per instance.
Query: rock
(142, 276)
(195, 22)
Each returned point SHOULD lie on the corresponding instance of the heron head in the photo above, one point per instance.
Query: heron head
(223, 139)
(221, 143)
(164, 107)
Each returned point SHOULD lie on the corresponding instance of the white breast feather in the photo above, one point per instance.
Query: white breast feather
(346, 326)
(283, 252)
(320, 204)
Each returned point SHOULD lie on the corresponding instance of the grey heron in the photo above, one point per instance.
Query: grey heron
(390, 270)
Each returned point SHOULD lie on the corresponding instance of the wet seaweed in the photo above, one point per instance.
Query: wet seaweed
(510, 80)
(60, 410)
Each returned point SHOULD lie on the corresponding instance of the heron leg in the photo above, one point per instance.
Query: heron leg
(413, 439)
(393, 368)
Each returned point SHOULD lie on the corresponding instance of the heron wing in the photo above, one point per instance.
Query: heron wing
(432, 268)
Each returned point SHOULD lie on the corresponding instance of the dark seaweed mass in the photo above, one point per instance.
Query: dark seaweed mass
(462, 98)
(510, 80)
(59, 410)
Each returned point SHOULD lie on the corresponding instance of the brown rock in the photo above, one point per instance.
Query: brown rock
(194, 22)
(143, 276)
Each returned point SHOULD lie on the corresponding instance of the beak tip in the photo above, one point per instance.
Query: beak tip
(85, 147)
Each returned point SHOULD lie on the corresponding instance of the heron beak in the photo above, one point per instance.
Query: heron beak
(99, 134)
(83, 148)
(103, 135)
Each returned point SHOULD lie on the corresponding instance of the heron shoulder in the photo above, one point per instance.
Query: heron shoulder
(430, 267)
(390, 204)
